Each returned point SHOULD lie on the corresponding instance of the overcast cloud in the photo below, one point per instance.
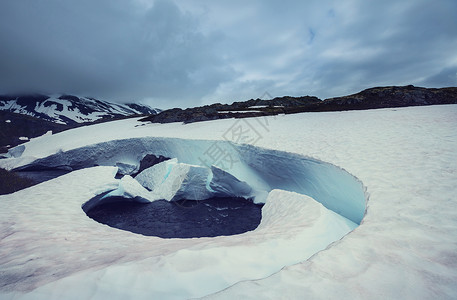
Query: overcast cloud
(186, 53)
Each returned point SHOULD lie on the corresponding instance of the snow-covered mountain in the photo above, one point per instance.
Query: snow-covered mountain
(68, 109)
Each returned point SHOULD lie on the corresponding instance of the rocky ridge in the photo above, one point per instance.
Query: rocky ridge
(377, 97)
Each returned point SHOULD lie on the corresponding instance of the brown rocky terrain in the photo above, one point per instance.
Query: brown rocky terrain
(378, 97)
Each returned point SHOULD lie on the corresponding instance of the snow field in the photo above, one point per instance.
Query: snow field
(198, 267)
(404, 248)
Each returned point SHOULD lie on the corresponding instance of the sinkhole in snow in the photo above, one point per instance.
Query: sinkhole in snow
(180, 219)
(205, 170)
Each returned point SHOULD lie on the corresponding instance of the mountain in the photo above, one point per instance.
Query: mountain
(69, 109)
(23, 117)
(17, 128)
(41, 113)
(250, 108)
(389, 96)
(377, 97)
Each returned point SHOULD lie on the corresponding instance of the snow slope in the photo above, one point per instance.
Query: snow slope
(404, 248)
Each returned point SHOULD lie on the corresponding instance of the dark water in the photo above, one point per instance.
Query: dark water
(183, 219)
(40, 176)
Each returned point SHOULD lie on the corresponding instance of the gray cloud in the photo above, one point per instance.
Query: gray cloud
(189, 52)
(445, 77)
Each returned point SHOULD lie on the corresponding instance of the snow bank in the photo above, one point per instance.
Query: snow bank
(293, 228)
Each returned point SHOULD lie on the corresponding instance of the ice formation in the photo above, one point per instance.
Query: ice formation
(223, 184)
(180, 181)
(172, 181)
(262, 169)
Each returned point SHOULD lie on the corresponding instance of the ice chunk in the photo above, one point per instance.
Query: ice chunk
(153, 176)
(130, 188)
(173, 181)
(224, 184)
(184, 181)
(16, 151)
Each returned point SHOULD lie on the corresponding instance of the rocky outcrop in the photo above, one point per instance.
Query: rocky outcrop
(18, 128)
(391, 96)
(250, 108)
(378, 97)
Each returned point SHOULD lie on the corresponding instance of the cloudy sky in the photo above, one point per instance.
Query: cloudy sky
(186, 53)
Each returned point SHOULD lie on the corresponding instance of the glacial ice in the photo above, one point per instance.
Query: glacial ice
(153, 176)
(172, 181)
(223, 184)
(16, 151)
(128, 189)
(262, 169)
(184, 181)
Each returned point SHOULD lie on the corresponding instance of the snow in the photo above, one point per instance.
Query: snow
(68, 111)
(265, 106)
(404, 247)
(238, 111)
(259, 106)
(168, 268)
(7, 121)
(13, 106)
(23, 138)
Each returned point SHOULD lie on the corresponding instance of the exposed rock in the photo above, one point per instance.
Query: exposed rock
(245, 109)
(391, 96)
(23, 126)
(378, 97)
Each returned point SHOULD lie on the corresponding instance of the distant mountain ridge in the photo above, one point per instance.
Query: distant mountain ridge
(377, 97)
(40, 114)
(389, 96)
(69, 109)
